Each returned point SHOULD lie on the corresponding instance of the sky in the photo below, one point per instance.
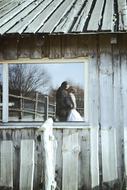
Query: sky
(66, 72)
(60, 72)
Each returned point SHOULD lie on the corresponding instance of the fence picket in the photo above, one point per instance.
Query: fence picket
(125, 149)
(27, 165)
(94, 142)
(109, 155)
(6, 162)
(70, 161)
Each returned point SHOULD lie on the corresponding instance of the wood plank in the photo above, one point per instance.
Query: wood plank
(118, 108)
(125, 150)
(10, 48)
(93, 110)
(106, 87)
(79, 25)
(57, 16)
(107, 23)
(18, 17)
(4, 3)
(50, 147)
(16, 137)
(84, 172)
(94, 24)
(27, 164)
(123, 75)
(20, 26)
(121, 5)
(24, 47)
(107, 113)
(6, 163)
(37, 46)
(39, 170)
(14, 12)
(124, 88)
(70, 160)
(125, 156)
(55, 47)
(43, 16)
(86, 92)
(5, 100)
(66, 21)
(94, 160)
(82, 46)
(58, 170)
(69, 46)
(93, 84)
(28, 60)
(109, 155)
(8, 8)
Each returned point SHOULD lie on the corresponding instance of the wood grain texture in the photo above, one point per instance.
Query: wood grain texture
(27, 165)
(6, 164)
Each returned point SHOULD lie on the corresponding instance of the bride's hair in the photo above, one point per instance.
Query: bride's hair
(71, 89)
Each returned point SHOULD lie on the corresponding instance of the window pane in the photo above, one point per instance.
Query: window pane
(32, 89)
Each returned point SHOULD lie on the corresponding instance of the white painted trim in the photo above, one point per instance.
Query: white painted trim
(5, 93)
(84, 60)
(86, 93)
(56, 125)
(44, 60)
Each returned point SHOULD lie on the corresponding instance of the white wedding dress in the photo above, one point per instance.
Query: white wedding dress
(74, 115)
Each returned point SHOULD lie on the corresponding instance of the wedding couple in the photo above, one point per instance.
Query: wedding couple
(66, 103)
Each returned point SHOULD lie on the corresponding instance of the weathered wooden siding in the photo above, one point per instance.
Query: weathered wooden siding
(107, 104)
(77, 158)
(21, 139)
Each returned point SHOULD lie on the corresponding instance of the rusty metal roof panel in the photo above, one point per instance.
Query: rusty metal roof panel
(59, 16)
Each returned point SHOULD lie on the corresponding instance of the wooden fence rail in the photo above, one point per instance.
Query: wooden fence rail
(31, 108)
(81, 160)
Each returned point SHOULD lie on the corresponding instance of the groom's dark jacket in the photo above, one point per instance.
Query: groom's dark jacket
(63, 104)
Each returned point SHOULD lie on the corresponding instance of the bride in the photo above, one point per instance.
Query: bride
(74, 115)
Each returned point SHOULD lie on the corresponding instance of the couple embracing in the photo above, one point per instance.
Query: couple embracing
(66, 104)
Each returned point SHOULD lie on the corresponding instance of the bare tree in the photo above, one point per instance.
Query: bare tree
(26, 78)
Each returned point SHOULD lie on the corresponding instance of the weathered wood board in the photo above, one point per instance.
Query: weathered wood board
(27, 165)
(6, 164)
(71, 151)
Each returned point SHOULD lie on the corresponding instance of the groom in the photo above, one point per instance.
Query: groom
(63, 102)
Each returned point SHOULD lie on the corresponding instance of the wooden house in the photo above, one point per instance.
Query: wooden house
(90, 154)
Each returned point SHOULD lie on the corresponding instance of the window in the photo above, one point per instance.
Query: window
(29, 89)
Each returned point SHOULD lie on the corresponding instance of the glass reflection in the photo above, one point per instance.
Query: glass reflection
(32, 89)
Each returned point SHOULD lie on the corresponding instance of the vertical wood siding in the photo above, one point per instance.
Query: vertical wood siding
(107, 105)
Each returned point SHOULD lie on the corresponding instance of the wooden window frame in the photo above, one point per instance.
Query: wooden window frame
(5, 101)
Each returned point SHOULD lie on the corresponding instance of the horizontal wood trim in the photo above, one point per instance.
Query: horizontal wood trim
(44, 60)
(36, 125)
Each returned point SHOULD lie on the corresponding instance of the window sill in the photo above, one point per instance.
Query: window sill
(36, 125)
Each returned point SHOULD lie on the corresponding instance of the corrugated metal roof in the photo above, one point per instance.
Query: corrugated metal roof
(60, 16)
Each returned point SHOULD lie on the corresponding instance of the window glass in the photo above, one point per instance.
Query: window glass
(33, 87)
